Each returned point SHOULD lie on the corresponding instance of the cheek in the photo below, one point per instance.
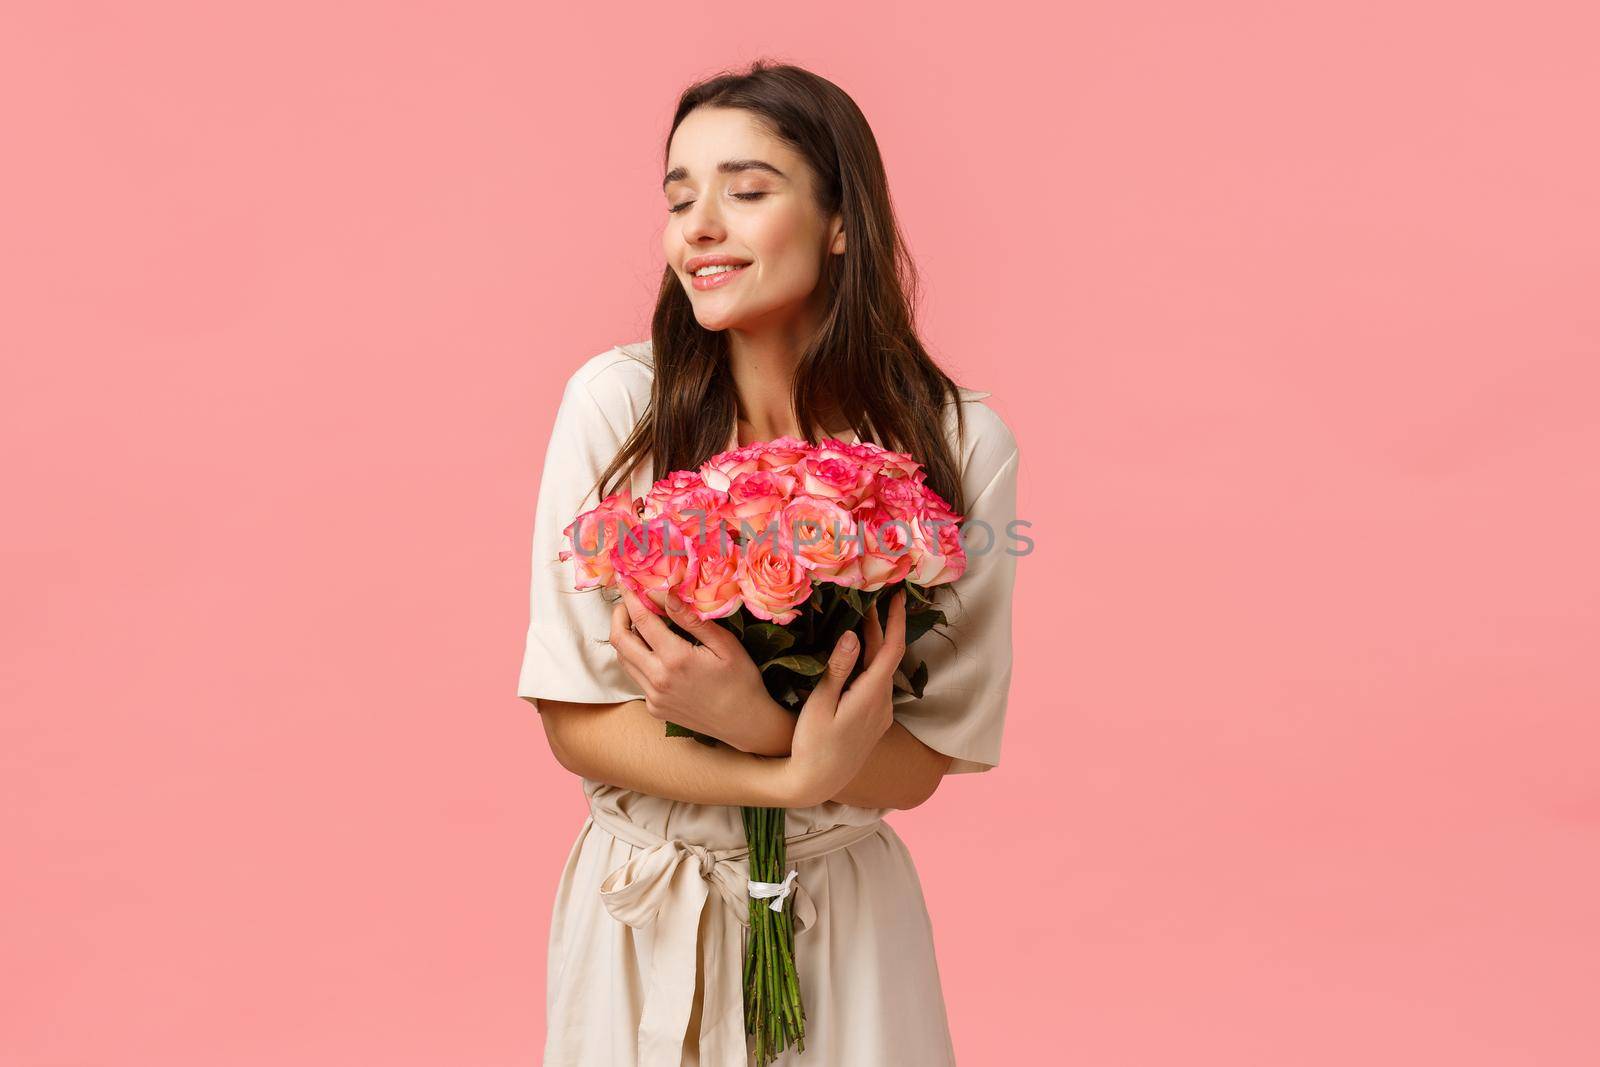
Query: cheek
(779, 234)
(783, 244)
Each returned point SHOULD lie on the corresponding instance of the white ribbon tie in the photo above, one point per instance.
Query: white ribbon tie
(780, 890)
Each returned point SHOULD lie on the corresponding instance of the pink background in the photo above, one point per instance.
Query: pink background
(1292, 311)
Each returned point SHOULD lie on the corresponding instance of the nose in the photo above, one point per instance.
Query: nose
(703, 222)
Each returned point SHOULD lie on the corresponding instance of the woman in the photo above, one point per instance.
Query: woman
(786, 278)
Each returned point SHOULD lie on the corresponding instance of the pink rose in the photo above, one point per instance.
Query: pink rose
(667, 488)
(822, 536)
(889, 546)
(900, 465)
(940, 557)
(782, 454)
(722, 469)
(772, 581)
(834, 474)
(702, 514)
(710, 587)
(756, 500)
(592, 536)
(652, 558)
(883, 462)
(937, 506)
(902, 498)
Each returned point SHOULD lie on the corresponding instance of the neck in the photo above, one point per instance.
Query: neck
(762, 365)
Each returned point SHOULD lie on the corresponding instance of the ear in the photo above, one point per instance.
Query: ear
(836, 238)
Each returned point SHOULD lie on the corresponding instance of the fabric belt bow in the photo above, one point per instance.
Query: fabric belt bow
(666, 886)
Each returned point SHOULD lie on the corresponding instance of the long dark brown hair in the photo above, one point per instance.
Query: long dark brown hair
(868, 337)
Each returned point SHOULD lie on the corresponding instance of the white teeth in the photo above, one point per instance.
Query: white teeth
(720, 268)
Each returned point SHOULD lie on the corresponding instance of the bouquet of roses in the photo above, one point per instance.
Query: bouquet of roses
(787, 545)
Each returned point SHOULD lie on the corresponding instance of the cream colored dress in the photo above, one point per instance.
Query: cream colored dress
(645, 963)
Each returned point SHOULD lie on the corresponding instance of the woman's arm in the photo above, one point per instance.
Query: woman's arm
(901, 771)
(624, 745)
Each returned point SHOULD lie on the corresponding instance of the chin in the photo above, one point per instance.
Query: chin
(715, 323)
(718, 320)
(744, 317)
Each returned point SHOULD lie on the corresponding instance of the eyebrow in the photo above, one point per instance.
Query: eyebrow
(727, 166)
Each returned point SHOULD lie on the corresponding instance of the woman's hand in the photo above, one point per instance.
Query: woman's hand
(836, 733)
(713, 688)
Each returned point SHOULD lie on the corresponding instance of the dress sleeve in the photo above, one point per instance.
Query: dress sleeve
(963, 706)
(568, 655)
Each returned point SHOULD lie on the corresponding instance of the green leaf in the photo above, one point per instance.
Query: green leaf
(852, 596)
(674, 730)
(920, 622)
(919, 678)
(763, 640)
(806, 665)
(914, 590)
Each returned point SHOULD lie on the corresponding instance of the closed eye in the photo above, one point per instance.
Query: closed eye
(739, 196)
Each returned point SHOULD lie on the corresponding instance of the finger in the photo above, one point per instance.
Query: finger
(649, 625)
(891, 643)
(638, 678)
(874, 633)
(896, 633)
(840, 663)
(631, 649)
(706, 631)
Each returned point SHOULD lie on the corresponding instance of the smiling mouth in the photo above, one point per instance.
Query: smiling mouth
(717, 278)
